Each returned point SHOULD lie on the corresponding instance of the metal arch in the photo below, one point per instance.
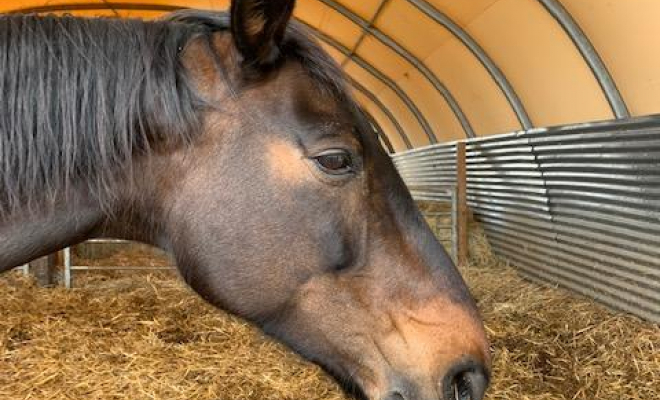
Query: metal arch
(365, 32)
(590, 55)
(358, 86)
(493, 70)
(367, 26)
(379, 131)
(382, 78)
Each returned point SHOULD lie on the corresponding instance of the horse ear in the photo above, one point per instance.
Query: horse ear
(258, 27)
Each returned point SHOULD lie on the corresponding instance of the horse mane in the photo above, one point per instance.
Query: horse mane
(81, 97)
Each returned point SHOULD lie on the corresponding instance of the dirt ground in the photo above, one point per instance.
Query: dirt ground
(146, 336)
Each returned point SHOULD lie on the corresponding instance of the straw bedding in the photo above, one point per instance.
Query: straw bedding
(145, 336)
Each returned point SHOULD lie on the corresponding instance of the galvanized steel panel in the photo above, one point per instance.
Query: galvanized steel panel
(576, 206)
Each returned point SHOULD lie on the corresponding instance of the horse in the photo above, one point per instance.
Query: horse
(231, 140)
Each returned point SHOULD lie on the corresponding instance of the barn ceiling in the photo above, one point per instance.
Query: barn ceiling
(441, 70)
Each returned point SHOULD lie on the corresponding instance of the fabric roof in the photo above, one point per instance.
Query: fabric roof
(440, 70)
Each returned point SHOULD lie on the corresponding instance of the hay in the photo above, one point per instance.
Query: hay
(551, 344)
(145, 336)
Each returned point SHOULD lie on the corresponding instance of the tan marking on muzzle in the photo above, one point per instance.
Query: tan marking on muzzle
(428, 341)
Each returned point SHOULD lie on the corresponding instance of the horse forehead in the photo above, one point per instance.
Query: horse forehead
(296, 85)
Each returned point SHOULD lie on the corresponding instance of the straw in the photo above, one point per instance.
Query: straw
(146, 336)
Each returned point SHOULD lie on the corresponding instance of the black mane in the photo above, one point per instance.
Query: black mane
(81, 97)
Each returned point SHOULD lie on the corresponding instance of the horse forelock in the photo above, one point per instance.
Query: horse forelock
(81, 97)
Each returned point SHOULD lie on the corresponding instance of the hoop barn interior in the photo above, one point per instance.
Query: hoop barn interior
(416, 78)
(427, 78)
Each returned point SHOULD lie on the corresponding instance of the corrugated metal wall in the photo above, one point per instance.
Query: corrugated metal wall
(577, 206)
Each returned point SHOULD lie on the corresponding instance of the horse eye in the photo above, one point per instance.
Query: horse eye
(335, 162)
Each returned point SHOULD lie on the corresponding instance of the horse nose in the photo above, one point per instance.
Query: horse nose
(467, 380)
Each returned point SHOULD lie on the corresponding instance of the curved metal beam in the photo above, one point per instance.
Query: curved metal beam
(330, 41)
(367, 93)
(493, 70)
(379, 131)
(590, 55)
(381, 77)
(364, 32)
(368, 27)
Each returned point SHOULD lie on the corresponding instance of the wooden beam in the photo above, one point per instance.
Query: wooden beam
(461, 194)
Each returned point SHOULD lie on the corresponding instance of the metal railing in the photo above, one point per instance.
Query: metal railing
(25, 269)
(70, 267)
(576, 206)
(436, 220)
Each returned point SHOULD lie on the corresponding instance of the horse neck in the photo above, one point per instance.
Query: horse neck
(132, 214)
(25, 235)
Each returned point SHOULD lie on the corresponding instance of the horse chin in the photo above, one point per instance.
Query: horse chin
(349, 385)
(348, 381)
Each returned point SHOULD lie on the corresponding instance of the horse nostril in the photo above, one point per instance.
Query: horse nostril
(466, 381)
(462, 389)
(394, 396)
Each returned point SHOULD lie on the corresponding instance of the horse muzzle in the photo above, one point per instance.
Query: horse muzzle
(467, 380)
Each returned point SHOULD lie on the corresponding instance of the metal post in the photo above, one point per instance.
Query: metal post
(25, 269)
(67, 268)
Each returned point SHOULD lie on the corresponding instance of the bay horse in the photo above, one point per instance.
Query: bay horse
(232, 141)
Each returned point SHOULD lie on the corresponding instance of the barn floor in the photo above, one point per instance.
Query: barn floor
(146, 336)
